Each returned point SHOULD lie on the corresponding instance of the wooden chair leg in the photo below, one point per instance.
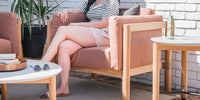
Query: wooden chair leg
(168, 70)
(126, 87)
(94, 76)
(4, 91)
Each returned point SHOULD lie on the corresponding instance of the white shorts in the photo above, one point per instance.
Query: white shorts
(101, 36)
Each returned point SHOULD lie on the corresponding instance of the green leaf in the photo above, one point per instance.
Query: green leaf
(13, 5)
(17, 8)
(22, 16)
(47, 3)
(27, 8)
(28, 22)
(52, 9)
(36, 10)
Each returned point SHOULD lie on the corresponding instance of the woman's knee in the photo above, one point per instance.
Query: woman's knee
(68, 47)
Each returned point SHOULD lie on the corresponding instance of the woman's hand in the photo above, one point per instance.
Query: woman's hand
(63, 15)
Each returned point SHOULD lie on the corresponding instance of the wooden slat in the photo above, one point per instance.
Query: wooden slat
(108, 72)
(118, 74)
(48, 36)
(147, 26)
(143, 69)
(20, 55)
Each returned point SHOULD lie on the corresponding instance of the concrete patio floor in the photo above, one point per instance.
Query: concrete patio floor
(80, 89)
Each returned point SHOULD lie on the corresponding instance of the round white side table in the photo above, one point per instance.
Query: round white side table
(28, 75)
(184, 44)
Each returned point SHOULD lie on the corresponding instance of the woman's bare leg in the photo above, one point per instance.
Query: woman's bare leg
(80, 35)
(66, 48)
(68, 40)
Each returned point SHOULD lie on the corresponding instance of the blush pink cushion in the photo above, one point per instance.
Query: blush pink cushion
(147, 11)
(5, 46)
(9, 30)
(94, 57)
(116, 40)
(142, 47)
(111, 57)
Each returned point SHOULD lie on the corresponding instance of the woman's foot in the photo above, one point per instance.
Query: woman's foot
(59, 93)
(62, 91)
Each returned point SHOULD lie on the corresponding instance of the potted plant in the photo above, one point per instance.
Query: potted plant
(33, 35)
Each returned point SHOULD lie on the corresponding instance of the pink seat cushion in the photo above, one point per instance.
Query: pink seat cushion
(5, 46)
(95, 57)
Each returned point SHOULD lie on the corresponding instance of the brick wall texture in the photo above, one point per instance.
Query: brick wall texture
(187, 22)
(5, 5)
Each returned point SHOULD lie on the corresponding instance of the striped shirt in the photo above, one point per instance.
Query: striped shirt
(104, 10)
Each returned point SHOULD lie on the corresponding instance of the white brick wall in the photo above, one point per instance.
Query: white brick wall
(186, 7)
(5, 5)
(187, 22)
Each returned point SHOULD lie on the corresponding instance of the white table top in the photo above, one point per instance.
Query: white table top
(28, 74)
(186, 41)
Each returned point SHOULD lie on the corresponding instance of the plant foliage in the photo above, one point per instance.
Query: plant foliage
(28, 9)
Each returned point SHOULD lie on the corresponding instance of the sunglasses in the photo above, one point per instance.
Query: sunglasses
(37, 68)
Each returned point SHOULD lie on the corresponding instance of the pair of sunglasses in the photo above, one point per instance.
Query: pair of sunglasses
(37, 68)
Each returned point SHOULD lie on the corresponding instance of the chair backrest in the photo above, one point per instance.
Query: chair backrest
(9, 30)
(116, 38)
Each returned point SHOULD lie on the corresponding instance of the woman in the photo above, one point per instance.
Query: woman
(69, 39)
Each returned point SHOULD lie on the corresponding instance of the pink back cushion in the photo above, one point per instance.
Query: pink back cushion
(9, 29)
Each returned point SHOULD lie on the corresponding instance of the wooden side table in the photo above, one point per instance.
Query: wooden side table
(184, 44)
(29, 76)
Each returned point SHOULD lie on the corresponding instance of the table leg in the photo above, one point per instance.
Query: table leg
(52, 88)
(184, 73)
(94, 76)
(168, 70)
(4, 91)
(156, 71)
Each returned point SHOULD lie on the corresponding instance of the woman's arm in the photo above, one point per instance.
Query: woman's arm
(65, 13)
(98, 24)
(74, 11)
